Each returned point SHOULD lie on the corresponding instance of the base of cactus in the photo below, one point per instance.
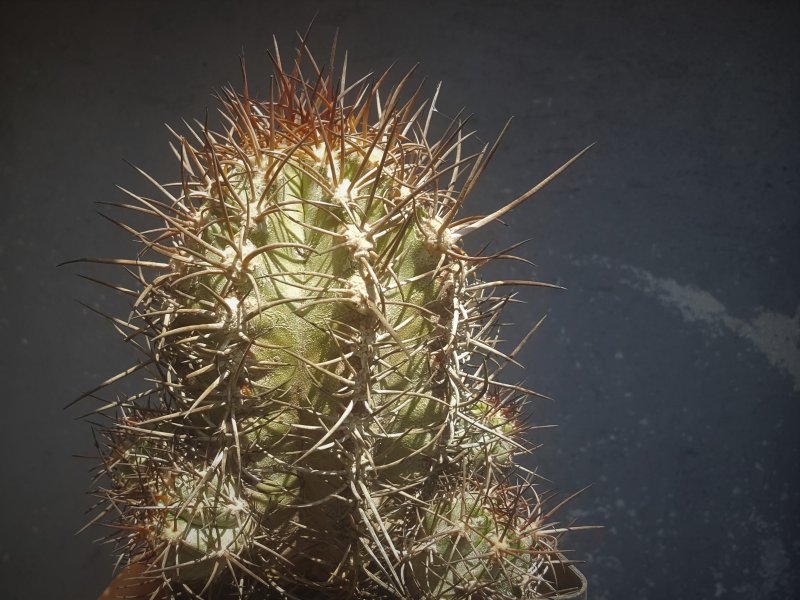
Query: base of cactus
(563, 577)
(569, 583)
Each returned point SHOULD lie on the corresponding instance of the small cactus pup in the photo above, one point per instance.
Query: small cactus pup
(323, 415)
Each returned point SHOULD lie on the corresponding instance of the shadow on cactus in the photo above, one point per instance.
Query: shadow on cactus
(325, 417)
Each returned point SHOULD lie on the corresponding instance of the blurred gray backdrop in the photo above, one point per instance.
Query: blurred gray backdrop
(672, 358)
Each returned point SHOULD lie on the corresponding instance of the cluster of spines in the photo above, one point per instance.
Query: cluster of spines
(325, 416)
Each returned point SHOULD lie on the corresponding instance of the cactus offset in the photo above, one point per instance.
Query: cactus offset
(326, 419)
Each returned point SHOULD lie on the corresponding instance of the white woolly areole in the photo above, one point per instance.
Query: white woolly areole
(439, 241)
(499, 545)
(342, 193)
(233, 316)
(359, 295)
(358, 241)
(233, 259)
(319, 152)
(233, 303)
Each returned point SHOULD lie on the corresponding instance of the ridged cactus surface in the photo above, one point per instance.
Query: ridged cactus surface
(324, 416)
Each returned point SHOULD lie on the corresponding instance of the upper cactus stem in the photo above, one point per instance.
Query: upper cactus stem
(325, 418)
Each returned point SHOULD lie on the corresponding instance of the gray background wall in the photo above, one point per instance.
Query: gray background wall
(673, 358)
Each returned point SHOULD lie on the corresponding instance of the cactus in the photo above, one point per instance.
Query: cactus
(324, 417)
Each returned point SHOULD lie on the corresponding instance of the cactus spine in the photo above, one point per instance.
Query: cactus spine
(325, 418)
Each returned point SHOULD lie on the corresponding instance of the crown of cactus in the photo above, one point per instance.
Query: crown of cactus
(325, 418)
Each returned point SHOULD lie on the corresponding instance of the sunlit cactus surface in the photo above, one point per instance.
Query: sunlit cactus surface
(322, 414)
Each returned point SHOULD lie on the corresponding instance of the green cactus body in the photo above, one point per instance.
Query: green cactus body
(474, 538)
(326, 420)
